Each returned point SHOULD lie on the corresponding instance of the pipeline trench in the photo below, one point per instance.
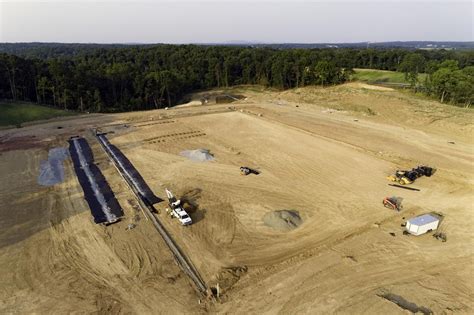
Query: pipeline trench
(145, 199)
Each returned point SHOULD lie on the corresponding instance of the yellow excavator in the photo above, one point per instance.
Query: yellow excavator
(408, 177)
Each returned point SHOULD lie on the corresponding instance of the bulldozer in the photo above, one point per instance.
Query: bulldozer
(408, 177)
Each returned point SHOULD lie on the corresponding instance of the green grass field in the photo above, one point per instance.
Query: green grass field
(382, 76)
(16, 113)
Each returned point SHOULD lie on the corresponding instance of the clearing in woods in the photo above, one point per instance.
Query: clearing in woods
(308, 234)
(16, 113)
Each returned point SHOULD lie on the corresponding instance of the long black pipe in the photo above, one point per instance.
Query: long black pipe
(404, 187)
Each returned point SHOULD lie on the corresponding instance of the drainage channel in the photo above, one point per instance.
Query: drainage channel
(148, 209)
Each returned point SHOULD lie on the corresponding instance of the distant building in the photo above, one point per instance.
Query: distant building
(422, 224)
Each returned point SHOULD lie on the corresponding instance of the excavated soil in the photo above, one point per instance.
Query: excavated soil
(330, 166)
(282, 220)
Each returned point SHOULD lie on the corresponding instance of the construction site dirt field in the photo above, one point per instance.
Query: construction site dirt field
(308, 234)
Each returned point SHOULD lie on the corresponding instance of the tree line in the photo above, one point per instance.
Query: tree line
(126, 78)
(445, 80)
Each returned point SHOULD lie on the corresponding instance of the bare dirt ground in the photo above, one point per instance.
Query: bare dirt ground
(324, 153)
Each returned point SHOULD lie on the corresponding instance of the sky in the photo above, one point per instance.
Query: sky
(224, 21)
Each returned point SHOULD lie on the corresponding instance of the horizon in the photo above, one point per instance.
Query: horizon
(242, 43)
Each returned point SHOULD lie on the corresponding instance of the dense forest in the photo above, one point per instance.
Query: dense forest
(106, 78)
(54, 50)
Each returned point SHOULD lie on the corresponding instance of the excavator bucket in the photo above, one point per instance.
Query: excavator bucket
(392, 178)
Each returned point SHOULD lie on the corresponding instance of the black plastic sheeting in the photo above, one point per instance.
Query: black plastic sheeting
(115, 211)
(129, 171)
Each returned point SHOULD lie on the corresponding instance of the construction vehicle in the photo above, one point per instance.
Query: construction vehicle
(408, 177)
(244, 170)
(177, 209)
(440, 236)
(394, 203)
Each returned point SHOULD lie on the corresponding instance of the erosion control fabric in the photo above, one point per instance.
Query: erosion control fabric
(97, 192)
(129, 171)
(51, 170)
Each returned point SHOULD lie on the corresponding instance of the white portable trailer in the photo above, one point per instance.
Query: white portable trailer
(422, 224)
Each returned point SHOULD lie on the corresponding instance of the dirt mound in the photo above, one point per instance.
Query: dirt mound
(190, 103)
(283, 220)
(199, 155)
(369, 86)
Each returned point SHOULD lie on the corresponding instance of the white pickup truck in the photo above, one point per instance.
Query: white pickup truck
(177, 209)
